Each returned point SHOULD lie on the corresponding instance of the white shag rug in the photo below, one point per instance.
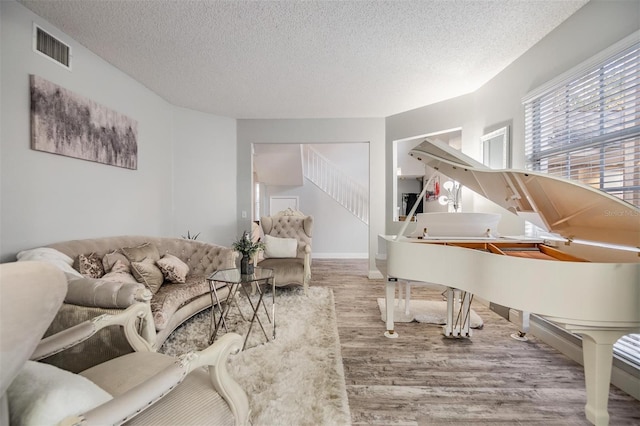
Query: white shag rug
(426, 311)
(296, 379)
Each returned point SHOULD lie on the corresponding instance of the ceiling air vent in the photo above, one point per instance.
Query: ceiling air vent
(51, 47)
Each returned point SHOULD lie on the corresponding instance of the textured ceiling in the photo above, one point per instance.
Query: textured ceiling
(311, 59)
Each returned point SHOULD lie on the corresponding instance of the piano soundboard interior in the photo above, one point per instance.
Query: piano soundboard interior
(515, 249)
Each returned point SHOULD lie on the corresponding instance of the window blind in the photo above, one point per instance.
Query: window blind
(587, 127)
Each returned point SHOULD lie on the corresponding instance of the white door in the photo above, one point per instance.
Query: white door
(277, 204)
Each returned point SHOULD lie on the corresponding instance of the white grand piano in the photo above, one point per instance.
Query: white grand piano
(597, 299)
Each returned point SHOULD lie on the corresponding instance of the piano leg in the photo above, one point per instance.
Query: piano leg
(390, 300)
(521, 319)
(597, 353)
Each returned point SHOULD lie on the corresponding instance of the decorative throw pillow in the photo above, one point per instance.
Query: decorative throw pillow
(141, 252)
(50, 255)
(42, 394)
(173, 269)
(109, 260)
(90, 265)
(120, 266)
(120, 273)
(280, 247)
(147, 273)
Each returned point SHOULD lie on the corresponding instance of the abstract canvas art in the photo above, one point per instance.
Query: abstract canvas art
(65, 123)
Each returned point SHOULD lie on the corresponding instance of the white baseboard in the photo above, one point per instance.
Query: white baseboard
(571, 346)
(339, 255)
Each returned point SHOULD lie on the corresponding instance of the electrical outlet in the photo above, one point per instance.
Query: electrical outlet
(244, 214)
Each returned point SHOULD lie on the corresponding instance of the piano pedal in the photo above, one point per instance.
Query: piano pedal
(519, 336)
(455, 333)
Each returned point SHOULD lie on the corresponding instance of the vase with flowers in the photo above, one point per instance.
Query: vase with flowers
(248, 249)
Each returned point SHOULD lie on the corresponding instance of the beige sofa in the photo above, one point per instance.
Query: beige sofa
(171, 304)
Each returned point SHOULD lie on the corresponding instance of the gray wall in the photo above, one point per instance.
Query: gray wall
(48, 198)
(370, 130)
(591, 29)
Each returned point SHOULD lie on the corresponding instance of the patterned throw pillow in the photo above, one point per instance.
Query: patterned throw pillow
(173, 269)
(90, 265)
(147, 273)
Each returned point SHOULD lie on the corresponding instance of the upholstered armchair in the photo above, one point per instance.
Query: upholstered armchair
(287, 238)
(143, 387)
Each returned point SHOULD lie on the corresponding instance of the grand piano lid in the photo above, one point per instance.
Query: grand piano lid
(571, 209)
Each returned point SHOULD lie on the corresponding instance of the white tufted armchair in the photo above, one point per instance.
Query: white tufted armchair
(292, 267)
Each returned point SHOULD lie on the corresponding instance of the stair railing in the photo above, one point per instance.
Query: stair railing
(337, 184)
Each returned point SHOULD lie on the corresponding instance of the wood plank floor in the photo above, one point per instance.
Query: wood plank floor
(421, 378)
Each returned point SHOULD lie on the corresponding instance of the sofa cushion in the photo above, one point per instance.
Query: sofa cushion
(173, 269)
(89, 265)
(142, 252)
(147, 273)
(285, 271)
(170, 297)
(42, 394)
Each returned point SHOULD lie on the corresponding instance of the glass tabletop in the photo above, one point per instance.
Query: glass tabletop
(233, 276)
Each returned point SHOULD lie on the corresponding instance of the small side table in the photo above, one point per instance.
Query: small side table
(233, 279)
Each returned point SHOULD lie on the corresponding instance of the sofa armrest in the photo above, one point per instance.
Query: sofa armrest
(105, 294)
(128, 319)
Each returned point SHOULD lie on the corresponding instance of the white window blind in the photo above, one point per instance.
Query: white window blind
(586, 127)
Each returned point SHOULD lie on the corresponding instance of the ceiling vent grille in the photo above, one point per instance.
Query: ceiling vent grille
(49, 46)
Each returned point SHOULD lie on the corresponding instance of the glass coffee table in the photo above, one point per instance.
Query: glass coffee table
(247, 285)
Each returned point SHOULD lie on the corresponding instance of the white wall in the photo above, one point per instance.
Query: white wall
(204, 160)
(317, 131)
(591, 29)
(47, 198)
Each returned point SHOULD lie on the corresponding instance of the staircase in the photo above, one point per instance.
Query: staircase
(335, 183)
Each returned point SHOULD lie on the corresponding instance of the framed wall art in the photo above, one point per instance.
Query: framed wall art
(65, 123)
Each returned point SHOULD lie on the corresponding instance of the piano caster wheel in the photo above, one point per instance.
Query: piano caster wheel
(391, 334)
(519, 336)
